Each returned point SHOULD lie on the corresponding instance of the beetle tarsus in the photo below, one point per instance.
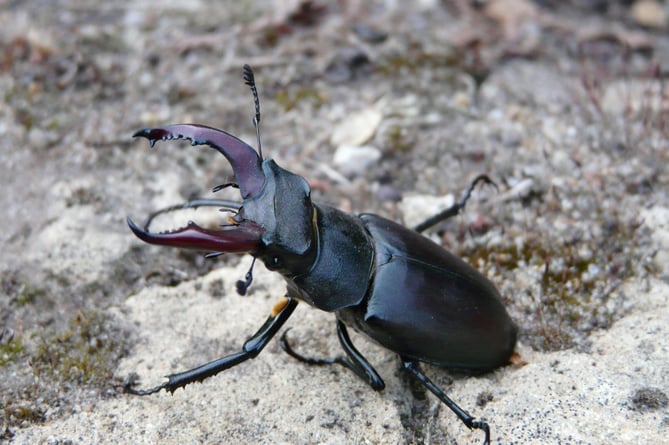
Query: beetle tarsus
(455, 208)
(132, 380)
(356, 362)
(414, 369)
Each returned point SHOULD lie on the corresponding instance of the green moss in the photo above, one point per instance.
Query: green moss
(9, 350)
(290, 98)
(19, 291)
(271, 36)
(417, 58)
(86, 352)
(27, 294)
(573, 292)
(25, 117)
(396, 140)
(54, 124)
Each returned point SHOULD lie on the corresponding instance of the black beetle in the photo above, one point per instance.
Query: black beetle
(382, 279)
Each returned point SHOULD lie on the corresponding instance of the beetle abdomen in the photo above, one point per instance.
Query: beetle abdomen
(429, 305)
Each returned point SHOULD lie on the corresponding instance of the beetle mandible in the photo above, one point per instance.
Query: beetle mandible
(380, 278)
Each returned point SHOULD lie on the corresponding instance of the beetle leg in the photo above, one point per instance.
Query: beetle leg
(455, 208)
(412, 367)
(251, 349)
(355, 361)
(360, 366)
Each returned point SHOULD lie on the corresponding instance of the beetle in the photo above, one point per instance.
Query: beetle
(384, 280)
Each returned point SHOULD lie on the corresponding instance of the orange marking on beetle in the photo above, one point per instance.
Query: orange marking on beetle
(517, 360)
(279, 306)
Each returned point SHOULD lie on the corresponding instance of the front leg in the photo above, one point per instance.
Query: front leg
(281, 312)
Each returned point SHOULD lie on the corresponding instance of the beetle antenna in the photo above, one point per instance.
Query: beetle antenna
(249, 79)
(243, 286)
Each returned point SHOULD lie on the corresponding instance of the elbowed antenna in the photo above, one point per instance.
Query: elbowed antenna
(249, 79)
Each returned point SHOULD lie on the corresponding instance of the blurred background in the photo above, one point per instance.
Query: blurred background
(384, 106)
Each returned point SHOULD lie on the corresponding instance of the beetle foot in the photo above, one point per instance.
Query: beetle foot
(133, 380)
(481, 425)
(455, 208)
(480, 178)
(172, 384)
(412, 367)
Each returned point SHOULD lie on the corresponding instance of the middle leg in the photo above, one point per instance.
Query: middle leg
(354, 360)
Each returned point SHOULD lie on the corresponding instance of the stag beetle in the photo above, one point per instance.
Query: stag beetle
(380, 278)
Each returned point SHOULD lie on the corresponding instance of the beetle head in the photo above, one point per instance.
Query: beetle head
(284, 209)
(275, 221)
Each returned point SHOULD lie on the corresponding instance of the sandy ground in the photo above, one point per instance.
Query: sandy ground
(383, 107)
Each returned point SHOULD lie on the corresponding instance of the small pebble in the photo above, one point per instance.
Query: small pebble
(355, 160)
(357, 129)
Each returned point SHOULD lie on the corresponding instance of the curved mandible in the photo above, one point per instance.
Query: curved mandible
(245, 238)
(244, 160)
